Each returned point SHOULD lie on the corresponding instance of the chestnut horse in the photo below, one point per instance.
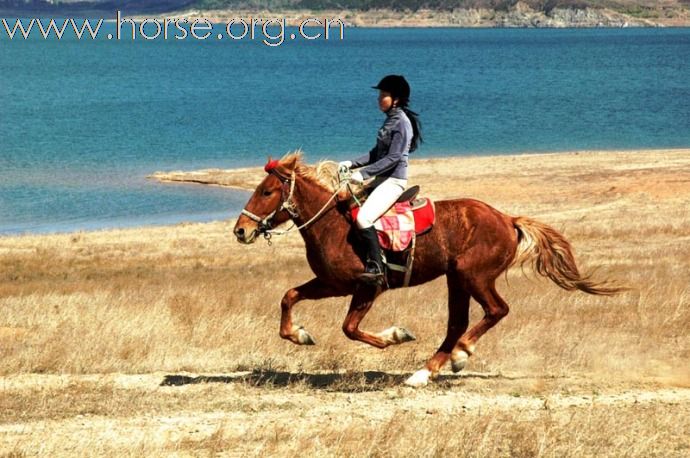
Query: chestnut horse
(470, 243)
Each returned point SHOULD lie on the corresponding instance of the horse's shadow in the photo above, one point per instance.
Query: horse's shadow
(340, 382)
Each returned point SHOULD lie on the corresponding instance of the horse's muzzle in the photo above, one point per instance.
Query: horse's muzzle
(244, 236)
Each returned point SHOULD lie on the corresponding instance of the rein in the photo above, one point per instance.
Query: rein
(266, 224)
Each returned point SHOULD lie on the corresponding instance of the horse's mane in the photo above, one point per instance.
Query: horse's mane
(324, 173)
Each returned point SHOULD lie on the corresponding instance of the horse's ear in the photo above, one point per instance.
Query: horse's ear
(290, 163)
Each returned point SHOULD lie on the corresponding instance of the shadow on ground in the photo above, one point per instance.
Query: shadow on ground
(341, 382)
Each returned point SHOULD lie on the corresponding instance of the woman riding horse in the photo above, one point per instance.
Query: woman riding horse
(471, 243)
(387, 161)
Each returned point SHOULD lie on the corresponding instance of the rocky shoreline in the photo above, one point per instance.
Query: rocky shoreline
(520, 16)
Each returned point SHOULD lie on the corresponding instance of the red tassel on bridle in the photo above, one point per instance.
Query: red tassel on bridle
(270, 165)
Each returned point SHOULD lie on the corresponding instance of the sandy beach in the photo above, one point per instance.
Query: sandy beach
(159, 341)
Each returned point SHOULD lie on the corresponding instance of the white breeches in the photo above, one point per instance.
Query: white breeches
(381, 198)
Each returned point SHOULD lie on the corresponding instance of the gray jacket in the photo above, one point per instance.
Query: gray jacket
(389, 157)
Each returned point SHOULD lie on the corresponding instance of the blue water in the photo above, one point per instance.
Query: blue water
(83, 122)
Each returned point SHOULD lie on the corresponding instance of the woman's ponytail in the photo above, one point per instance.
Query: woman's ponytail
(416, 125)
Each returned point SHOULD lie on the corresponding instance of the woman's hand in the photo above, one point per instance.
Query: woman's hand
(344, 165)
(344, 168)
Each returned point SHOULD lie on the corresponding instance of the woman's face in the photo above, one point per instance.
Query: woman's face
(386, 101)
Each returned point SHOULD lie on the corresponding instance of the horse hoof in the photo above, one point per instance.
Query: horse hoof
(395, 335)
(419, 378)
(402, 335)
(303, 337)
(458, 359)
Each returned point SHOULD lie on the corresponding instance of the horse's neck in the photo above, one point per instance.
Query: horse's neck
(310, 199)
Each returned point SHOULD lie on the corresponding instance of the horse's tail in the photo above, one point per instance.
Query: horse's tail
(551, 256)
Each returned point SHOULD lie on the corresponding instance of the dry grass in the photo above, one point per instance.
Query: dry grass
(79, 309)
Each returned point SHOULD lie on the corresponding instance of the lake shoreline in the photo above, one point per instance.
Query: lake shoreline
(423, 171)
(246, 178)
(519, 16)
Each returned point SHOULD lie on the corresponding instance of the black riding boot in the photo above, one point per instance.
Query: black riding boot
(373, 273)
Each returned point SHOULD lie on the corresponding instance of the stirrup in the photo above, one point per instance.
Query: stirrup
(373, 275)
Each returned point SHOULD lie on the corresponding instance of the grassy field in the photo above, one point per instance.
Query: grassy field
(164, 340)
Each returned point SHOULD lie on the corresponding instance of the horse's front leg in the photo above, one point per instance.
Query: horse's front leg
(313, 289)
(362, 300)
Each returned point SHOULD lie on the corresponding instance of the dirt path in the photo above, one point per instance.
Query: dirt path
(72, 413)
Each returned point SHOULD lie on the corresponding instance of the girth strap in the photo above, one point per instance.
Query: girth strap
(407, 268)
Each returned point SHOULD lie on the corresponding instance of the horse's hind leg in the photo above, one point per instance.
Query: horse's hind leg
(494, 307)
(458, 319)
(362, 300)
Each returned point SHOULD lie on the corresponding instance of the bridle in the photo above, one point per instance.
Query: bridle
(287, 204)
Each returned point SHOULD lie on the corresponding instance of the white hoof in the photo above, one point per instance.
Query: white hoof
(395, 335)
(458, 359)
(303, 337)
(419, 378)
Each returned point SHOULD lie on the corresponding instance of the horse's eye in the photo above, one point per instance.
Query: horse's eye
(267, 193)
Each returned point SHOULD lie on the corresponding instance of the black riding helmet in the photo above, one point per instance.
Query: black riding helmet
(396, 85)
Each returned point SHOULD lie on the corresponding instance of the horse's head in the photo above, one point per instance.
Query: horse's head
(271, 204)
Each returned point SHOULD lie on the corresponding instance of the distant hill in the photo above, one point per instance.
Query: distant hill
(498, 5)
(508, 12)
(396, 5)
(78, 6)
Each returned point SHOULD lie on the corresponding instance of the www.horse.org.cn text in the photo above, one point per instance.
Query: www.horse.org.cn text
(272, 31)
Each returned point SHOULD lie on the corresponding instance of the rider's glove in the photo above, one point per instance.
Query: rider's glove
(343, 166)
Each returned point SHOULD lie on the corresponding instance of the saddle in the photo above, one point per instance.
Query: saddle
(398, 228)
(409, 194)
(409, 210)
